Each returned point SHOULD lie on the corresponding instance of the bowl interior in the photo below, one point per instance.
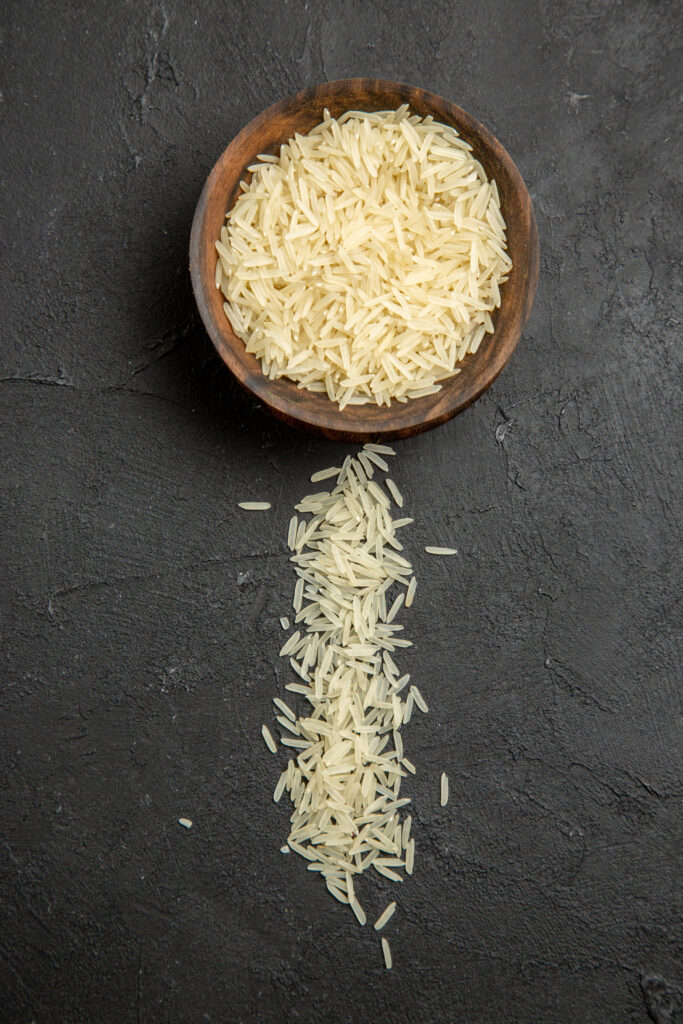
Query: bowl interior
(265, 134)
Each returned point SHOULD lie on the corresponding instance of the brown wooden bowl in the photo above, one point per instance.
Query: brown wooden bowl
(265, 134)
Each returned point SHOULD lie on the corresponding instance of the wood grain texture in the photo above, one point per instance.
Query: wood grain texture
(265, 134)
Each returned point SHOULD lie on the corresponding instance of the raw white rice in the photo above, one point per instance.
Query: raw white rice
(348, 762)
(395, 608)
(347, 754)
(284, 622)
(395, 493)
(280, 788)
(410, 857)
(387, 954)
(384, 916)
(325, 474)
(369, 456)
(270, 742)
(419, 699)
(381, 449)
(441, 551)
(386, 871)
(444, 789)
(284, 708)
(254, 506)
(365, 259)
(337, 893)
(358, 911)
(412, 587)
(185, 822)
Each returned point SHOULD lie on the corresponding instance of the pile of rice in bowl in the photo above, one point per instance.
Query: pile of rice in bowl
(366, 260)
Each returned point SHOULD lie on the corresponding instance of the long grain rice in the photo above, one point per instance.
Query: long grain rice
(419, 699)
(395, 493)
(358, 911)
(412, 587)
(410, 857)
(384, 916)
(364, 260)
(270, 742)
(325, 474)
(348, 760)
(279, 789)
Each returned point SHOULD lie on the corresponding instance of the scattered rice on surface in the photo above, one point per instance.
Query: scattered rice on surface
(347, 758)
(344, 776)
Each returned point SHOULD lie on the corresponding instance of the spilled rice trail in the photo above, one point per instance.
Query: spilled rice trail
(347, 759)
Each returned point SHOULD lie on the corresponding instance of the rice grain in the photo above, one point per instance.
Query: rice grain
(395, 493)
(384, 916)
(270, 742)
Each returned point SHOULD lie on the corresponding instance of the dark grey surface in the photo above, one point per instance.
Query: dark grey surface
(140, 607)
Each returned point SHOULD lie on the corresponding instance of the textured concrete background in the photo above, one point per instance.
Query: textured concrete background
(140, 607)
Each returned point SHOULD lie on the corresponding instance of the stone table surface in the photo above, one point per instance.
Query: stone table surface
(140, 607)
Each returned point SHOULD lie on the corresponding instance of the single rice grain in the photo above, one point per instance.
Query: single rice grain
(410, 857)
(395, 493)
(384, 916)
(358, 911)
(270, 742)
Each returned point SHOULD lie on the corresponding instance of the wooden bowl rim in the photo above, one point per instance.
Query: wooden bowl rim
(316, 412)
